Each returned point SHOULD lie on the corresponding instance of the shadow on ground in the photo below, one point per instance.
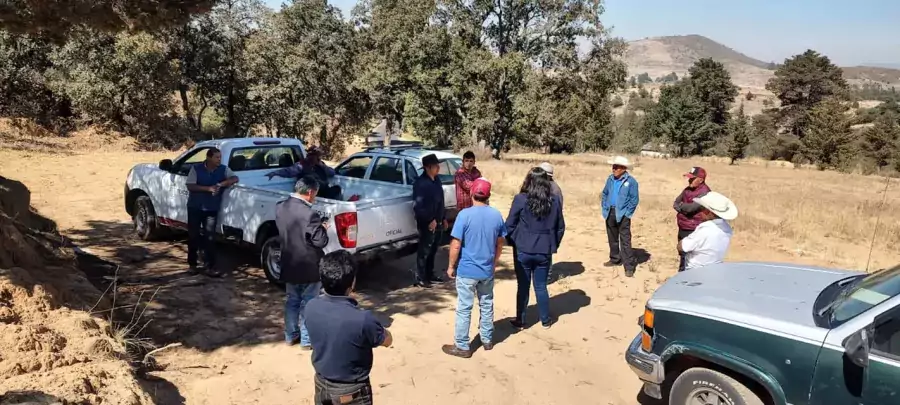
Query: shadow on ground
(157, 294)
(641, 256)
(567, 303)
(161, 390)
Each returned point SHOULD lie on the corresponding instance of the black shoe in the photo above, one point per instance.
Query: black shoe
(547, 325)
(629, 273)
(194, 270)
(213, 273)
(612, 264)
(455, 351)
(423, 284)
(437, 279)
(516, 324)
(487, 346)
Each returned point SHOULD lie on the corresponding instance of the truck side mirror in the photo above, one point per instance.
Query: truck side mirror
(857, 345)
(166, 165)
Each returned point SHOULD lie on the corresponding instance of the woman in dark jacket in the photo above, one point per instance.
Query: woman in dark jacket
(536, 227)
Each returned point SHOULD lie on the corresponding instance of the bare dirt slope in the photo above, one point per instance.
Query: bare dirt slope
(659, 56)
(51, 349)
(231, 327)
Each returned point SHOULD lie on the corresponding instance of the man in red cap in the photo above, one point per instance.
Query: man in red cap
(478, 236)
(686, 208)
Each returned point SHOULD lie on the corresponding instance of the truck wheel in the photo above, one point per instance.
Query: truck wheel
(146, 224)
(270, 257)
(700, 385)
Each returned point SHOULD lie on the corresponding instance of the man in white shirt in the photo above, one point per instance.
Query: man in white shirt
(709, 243)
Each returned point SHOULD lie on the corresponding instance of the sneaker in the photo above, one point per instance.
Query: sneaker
(547, 325)
(215, 273)
(293, 341)
(194, 270)
(423, 284)
(487, 346)
(455, 351)
(437, 279)
(305, 348)
(516, 324)
(629, 273)
(612, 264)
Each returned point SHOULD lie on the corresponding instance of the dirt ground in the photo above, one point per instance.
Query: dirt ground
(231, 328)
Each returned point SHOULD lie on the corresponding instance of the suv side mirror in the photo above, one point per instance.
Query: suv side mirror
(857, 345)
(166, 165)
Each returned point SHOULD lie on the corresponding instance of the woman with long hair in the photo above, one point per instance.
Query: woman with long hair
(535, 226)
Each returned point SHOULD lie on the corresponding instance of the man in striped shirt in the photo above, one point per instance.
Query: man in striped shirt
(465, 176)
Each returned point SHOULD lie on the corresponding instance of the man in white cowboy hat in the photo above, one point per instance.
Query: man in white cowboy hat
(709, 242)
(618, 202)
(554, 188)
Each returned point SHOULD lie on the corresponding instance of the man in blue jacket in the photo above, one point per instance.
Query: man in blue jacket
(312, 165)
(618, 203)
(428, 193)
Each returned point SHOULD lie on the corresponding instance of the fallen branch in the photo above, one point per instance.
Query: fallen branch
(152, 352)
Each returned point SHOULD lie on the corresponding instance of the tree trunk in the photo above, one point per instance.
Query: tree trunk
(388, 130)
(182, 90)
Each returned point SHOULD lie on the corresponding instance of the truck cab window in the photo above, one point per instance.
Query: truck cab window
(411, 173)
(887, 336)
(195, 157)
(355, 167)
(447, 172)
(388, 170)
(264, 157)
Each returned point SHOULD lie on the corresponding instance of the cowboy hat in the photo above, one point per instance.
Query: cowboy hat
(619, 161)
(718, 204)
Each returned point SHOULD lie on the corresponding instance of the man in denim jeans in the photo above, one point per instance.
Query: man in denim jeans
(303, 236)
(478, 236)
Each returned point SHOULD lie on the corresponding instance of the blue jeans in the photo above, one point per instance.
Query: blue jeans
(466, 289)
(533, 268)
(298, 295)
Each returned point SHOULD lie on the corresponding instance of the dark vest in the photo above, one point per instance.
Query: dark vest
(206, 201)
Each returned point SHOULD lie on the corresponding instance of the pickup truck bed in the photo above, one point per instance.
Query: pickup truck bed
(380, 222)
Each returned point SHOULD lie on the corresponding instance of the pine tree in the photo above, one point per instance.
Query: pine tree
(739, 135)
(879, 142)
(829, 140)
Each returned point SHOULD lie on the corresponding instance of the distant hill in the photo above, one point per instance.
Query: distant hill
(660, 56)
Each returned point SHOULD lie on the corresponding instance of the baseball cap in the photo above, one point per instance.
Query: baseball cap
(696, 172)
(481, 187)
(547, 168)
(430, 160)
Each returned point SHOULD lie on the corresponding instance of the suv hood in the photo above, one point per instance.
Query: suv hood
(776, 297)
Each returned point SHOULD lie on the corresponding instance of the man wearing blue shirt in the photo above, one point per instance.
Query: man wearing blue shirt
(342, 336)
(478, 236)
(618, 202)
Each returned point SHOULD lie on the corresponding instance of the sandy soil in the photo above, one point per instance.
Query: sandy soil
(231, 327)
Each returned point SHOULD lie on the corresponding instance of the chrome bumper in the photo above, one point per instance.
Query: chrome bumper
(647, 366)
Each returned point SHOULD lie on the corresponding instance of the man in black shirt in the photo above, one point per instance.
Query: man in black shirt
(428, 193)
(342, 336)
(303, 237)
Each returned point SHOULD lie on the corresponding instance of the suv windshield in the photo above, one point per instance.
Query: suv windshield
(864, 293)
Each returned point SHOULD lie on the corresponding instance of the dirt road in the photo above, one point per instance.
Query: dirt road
(231, 327)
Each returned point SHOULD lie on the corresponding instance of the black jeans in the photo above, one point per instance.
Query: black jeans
(333, 393)
(428, 244)
(619, 235)
(682, 233)
(201, 234)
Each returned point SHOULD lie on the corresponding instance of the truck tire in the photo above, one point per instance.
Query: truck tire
(269, 256)
(146, 224)
(701, 385)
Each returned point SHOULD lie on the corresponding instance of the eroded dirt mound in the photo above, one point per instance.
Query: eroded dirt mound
(51, 349)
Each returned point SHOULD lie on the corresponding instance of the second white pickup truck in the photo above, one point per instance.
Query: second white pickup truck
(379, 223)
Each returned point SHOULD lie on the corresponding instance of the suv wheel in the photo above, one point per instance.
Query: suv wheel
(270, 257)
(702, 386)
(146, 224)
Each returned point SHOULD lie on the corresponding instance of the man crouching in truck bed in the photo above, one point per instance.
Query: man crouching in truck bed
(312, 165)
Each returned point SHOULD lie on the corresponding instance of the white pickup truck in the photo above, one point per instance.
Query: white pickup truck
(380, 223)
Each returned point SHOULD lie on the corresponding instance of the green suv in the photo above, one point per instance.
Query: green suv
(760, 333)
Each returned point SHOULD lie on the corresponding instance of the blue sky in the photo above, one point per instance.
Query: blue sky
(850, 33)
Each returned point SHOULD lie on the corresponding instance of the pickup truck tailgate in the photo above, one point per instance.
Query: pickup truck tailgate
(384, 223)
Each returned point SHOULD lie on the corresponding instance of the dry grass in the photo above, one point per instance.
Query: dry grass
(808, 216)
